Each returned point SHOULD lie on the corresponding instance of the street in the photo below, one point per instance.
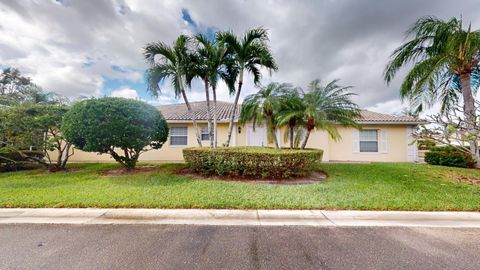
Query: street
(43, 246)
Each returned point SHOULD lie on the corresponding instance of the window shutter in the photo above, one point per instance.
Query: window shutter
(356, 141)
(384, 141)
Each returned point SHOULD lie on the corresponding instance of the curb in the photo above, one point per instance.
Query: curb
(220, 217)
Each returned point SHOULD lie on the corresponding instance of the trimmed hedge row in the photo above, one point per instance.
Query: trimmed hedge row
(261, 162)
(449, 156)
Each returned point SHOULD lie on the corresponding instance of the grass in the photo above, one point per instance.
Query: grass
(379, 186)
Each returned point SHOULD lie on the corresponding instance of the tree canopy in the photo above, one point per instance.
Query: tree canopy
(16, 89)
(123, 128)
(28, 129)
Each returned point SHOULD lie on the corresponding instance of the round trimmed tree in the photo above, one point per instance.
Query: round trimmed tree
(123, 128)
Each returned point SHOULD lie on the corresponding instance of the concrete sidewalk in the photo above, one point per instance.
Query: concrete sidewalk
(239, 217)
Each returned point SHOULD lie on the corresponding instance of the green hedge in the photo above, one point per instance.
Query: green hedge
(262, 162)
(425, 144)
(449, 156)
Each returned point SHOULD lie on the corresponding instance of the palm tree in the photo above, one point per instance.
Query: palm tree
(201, 67)
(445, 57)
(291, 112)
(327, 106)
(170, 63)
(247, 54)
(264, 105)
(210, 66)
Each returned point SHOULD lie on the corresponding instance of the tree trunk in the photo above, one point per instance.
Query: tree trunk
(215, 116)
(275, 139)
(271, 126)
(194, 118)
(66, 151)
(304, 143)
(470, 116)
(234, 111)
(209, 113)
(290, 130)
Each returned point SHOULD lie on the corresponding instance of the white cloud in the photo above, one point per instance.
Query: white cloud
(389, 107)
(125, 92)
(74, 47)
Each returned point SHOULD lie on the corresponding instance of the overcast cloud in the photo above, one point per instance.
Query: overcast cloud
(93, 48)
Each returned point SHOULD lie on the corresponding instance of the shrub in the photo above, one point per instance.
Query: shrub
(425, 144)
(259, 162)
(449, 156)
(123, 128)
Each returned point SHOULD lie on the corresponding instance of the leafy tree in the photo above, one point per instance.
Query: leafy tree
(264, 106)
(123, 128)
(247, 54)
(211, 65)
(36, 127)
(16, 89)
(445, 59)
(327, 106)
(171, 63)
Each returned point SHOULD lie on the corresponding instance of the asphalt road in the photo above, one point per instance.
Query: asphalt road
(222, 247)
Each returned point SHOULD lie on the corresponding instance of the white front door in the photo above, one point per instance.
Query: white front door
(257, 137)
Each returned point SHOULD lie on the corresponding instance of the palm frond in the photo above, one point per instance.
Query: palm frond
(440, 51)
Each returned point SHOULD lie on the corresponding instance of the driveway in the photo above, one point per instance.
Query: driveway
(42, 246)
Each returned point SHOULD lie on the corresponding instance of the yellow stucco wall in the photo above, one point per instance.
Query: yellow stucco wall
(395, 151)
(342, 150)
(166, 153)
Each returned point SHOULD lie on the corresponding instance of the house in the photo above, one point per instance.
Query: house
(383, 138)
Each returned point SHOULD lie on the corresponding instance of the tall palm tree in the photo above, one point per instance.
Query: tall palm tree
(327, 106)
(445, 57)
(210, 66)
(201, 65)
(291, 112)
(171, 63)
(263, 106)
(247, 54)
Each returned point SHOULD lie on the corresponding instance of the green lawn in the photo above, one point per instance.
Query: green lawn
(349, 186)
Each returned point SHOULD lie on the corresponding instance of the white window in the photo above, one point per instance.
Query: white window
(204, 134)
(369, 140)
(178, 135)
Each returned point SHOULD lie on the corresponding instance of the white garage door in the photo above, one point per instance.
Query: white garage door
(257, 137)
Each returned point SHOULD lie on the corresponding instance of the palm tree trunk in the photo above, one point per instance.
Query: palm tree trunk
(272, 128)
(275, 139)
(304, 143)
(470, 116)
(194, 117)
(209, 113)
(291, 136)
(215, 116)
(234, 111)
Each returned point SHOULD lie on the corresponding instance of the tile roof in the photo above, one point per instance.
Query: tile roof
(374, 117)
(178, 112)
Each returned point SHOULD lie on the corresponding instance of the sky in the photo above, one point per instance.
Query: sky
(94, 47)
